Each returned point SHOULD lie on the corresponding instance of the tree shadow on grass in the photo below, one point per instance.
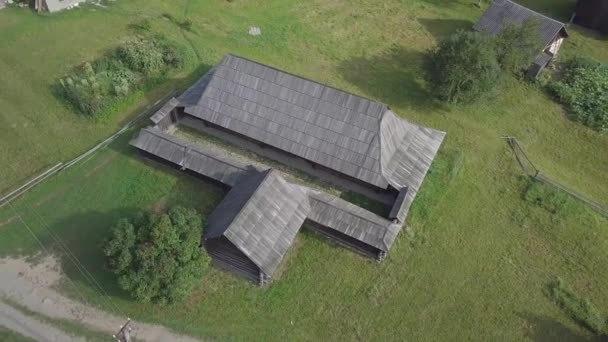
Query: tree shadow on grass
(545, 329)
(394, 77)
(441, 28)
(80, 248)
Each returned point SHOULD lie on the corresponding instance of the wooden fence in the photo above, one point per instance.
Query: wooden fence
(533, 172)
(6, 199)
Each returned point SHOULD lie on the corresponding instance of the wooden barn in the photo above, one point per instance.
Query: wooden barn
(551, 32)
(358, 141)
(255, 224)
(592, 14)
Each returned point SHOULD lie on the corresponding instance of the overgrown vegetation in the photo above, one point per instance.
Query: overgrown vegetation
(467, 66)
(583, 88)
(157, 257)
(580, 309)
(553, 200)
(463, 67)
(517, 45)
(138, 60)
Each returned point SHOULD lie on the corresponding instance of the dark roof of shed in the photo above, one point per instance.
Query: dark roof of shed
(261, 216)
(504, 12)
(341, 131)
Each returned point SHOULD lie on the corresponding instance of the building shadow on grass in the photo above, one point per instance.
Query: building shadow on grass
(394, 77)
(441, 28)
(545, 329)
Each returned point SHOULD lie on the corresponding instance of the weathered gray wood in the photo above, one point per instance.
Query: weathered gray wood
(257, 221)
(327, 126)
(261, 216)
(504, 12)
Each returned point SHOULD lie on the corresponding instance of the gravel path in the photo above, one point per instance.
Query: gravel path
(27, 326)
(33, 287)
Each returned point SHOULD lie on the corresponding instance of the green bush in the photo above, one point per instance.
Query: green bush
(463, 67)
(158, 258)
(583, 88)
(96, 86)
(142, 55)
(517, 45)
(581, 310)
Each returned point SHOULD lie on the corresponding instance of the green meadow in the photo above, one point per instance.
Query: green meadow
(481, 244)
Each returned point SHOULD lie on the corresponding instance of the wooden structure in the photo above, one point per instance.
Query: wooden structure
(343, 134)
(551, 33)
(592, 14)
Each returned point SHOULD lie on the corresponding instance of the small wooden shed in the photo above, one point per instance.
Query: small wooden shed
(551, 32)
(592, 14)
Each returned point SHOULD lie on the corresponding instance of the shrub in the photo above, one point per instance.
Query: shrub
(583, 88)
(517, 46)
(143, 25)
(141, 55)
(581, 310)
(186, 24)
(157, 257)
(463, 67)
(553, 200)
(96, 86)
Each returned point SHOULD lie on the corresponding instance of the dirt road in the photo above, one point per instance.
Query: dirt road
(32, 286)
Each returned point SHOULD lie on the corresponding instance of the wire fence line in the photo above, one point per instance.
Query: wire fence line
(6, 199)
(533, 172)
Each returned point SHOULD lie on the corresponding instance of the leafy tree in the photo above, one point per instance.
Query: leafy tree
(157, 257)
(517, 46)
(583, 89)
(463, 67)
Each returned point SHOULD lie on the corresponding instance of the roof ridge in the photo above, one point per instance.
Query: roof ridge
(381, 120)
(305, 78)
(229, 223)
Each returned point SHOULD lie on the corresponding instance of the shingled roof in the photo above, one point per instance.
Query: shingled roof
(261, 216)
(506, 12)
(351, 220)
(189, 156)
(341, 131)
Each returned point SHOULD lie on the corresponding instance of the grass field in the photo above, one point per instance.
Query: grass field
(477, 256)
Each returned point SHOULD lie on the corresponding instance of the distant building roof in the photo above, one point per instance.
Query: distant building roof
(58, 5)
(355, 136)
(261, 216)
(504, 12)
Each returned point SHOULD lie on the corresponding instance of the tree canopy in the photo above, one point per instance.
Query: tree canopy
(463, 67)
(157, 256)
(517, 45)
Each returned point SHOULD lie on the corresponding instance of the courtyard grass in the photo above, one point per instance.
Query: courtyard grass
(477, 255)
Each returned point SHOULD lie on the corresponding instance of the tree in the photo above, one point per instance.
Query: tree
(463, 67)
(158, 257)
(517, 45)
